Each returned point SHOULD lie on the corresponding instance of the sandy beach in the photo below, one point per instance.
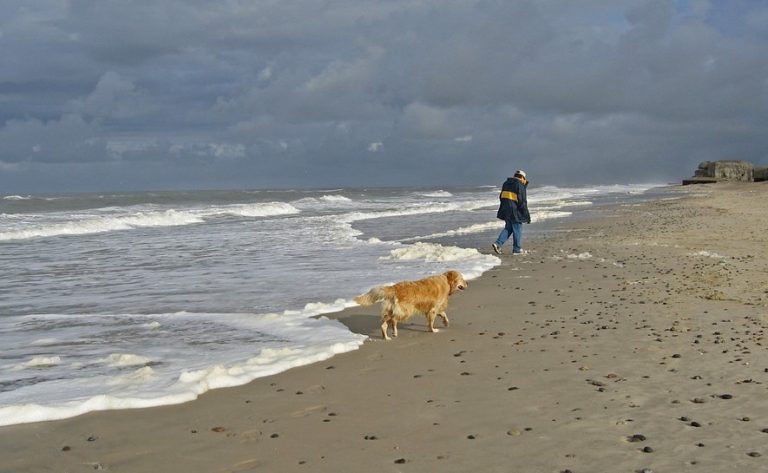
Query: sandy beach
(630, 343)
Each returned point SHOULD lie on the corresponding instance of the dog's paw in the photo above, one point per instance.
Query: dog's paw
(434, 330)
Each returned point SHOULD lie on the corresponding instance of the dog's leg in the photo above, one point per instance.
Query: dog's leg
(394, 327)
(444, 316)
(384, 326)
(431, 320)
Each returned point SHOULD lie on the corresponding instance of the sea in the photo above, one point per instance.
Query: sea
(131, 300)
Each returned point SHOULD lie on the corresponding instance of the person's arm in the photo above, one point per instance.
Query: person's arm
(522, 201)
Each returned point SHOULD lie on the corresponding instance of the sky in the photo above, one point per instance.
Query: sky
(166, 94)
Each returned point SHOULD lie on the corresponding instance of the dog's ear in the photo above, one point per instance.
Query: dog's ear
(453, 280)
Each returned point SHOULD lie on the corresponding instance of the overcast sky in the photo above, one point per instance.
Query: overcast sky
(170, 94)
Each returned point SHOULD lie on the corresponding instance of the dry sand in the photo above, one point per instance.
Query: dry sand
(632, 343)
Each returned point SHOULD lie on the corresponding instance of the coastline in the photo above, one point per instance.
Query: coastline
(619, 326)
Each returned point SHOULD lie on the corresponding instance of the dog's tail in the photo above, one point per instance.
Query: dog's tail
(377, 294)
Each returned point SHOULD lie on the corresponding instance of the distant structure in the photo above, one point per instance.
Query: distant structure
(727, 170)
(760, 174)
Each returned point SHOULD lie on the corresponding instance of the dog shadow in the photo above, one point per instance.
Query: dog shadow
(363, 324)
(370, 325)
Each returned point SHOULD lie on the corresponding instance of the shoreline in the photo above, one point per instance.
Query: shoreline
(610, 328)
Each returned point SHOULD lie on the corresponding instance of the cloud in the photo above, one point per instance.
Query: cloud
(632, 88)
(423, 121)
(68, 139)
(114, 96)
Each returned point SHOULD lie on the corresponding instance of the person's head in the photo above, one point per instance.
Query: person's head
(520, 174)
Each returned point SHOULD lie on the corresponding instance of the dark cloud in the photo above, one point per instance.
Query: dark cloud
(208, 94)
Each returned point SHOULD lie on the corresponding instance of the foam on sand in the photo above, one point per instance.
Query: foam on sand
(708, 254)
(580, 256)
(469, 261)
(169, 372)
(432, 252)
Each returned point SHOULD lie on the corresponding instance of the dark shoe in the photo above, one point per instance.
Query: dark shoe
(496, 248)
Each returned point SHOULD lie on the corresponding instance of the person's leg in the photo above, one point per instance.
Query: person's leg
(503, 236)
(505, 232)
(517, 237)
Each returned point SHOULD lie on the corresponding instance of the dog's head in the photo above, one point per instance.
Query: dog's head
(455, 281)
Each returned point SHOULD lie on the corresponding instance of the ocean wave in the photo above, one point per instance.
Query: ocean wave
(137, 377)
(82, 225)
(269, 209)
(335, 198)
(103, 224)
(541, 215)
(537, 216)
(440, 193)
(421, 209)
(476, 228)
(17, 197)
(38, 362)
(317, 340)
(431, 252)
(125, 359)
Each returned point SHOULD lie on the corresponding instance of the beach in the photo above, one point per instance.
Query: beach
(629, 342)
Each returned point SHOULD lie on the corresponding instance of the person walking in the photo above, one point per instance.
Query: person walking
(513, 209)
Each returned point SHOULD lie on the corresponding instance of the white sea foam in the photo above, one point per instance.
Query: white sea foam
(188, 384)
(103, 224)
(37, 363)
(17, 197)
(421, 210)
(311, 309)
(269, 209)
(476, 228)
(542, 215)
(335, 198)
(138, 377)
(125, 359)
(469, 261)
(43, 361)
(440, 193)
(560, 203)
(431, 252)
(81, 225)
(536, 216)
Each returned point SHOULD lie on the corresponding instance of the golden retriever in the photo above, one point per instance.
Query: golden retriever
(400, 301)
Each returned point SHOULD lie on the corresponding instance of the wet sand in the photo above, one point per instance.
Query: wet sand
(631, 343)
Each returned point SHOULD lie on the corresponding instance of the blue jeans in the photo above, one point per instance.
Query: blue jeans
(514, 229)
